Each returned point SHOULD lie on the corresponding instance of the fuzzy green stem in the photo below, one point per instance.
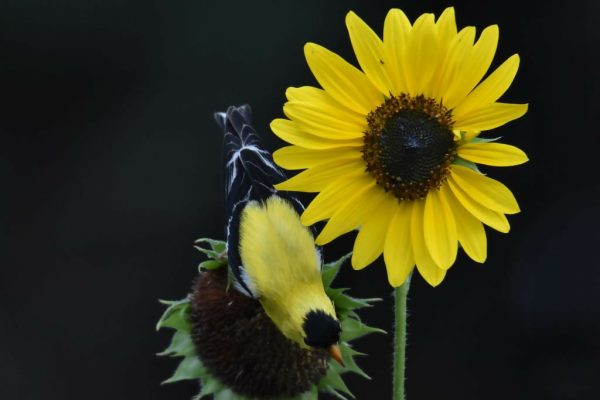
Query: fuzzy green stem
(400, 295)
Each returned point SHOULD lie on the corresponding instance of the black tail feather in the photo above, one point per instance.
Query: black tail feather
(250, 176)
(250, 170)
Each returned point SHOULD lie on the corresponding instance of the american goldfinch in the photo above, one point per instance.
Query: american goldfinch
(272, 256)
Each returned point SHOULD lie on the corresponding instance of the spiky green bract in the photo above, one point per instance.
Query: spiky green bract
(177, 317)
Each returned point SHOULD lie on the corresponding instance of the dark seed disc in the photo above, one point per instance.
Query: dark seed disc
(239, 344)
(409, 145)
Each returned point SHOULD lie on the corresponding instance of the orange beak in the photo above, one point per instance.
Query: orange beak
(336, 354)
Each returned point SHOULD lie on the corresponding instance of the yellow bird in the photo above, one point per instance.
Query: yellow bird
(272, 256)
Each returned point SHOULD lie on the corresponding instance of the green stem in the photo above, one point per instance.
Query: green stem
(400, 295)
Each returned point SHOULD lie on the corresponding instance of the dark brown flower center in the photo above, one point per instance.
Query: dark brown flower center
(409, 145)
(240, 346)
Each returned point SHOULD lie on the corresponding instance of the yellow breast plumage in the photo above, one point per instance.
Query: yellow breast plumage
(282, 264)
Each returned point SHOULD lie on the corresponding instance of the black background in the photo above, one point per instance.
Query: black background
(110, 162)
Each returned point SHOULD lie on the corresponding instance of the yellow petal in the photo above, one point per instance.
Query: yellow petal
(318, 177)
(397, 251)
(395, 33)
(423, 52)
(489, 217)
(425, 264)
(474, 66)
(371, 237)
(486, 191)
(352, 213)
(447, 26)
(313, 95)
(440, 230)
(334, 195)
(369, 52)
(490, 117)
(451, 66)
(490, 89)
(471, 233)
(295, 157)
(495, 154)
(290, 132)
(342, 81)
(315, 119)
(446, 32)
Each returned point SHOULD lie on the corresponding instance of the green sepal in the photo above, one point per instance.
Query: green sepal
(217, 248)
(465, 163)
(175, 316)
(333, 383)
(211, 387)
(345, 308)
(348, 354)
(211, 265)
(181, 346)
(468, 164)
(476, 139)
(227, 394)
(353, 329)
(479, 139)
(312, 394)
(229, 280)
(217, 256)
(224, 394)
(189, 368)
(330, 270)
(352, 314)
(345, 302)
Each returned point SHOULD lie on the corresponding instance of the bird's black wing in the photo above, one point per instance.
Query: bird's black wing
(250, 176)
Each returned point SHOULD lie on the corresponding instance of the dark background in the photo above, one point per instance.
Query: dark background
(111, 166)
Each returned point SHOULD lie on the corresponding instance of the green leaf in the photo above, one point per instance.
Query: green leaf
(181, 346)
(189, 368)
(330, 270)
(353, 329)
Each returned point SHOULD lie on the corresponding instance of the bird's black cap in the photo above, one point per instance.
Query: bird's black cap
(321, 329)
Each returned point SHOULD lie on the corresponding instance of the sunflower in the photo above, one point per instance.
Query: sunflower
(392, 149)
(227, 341)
